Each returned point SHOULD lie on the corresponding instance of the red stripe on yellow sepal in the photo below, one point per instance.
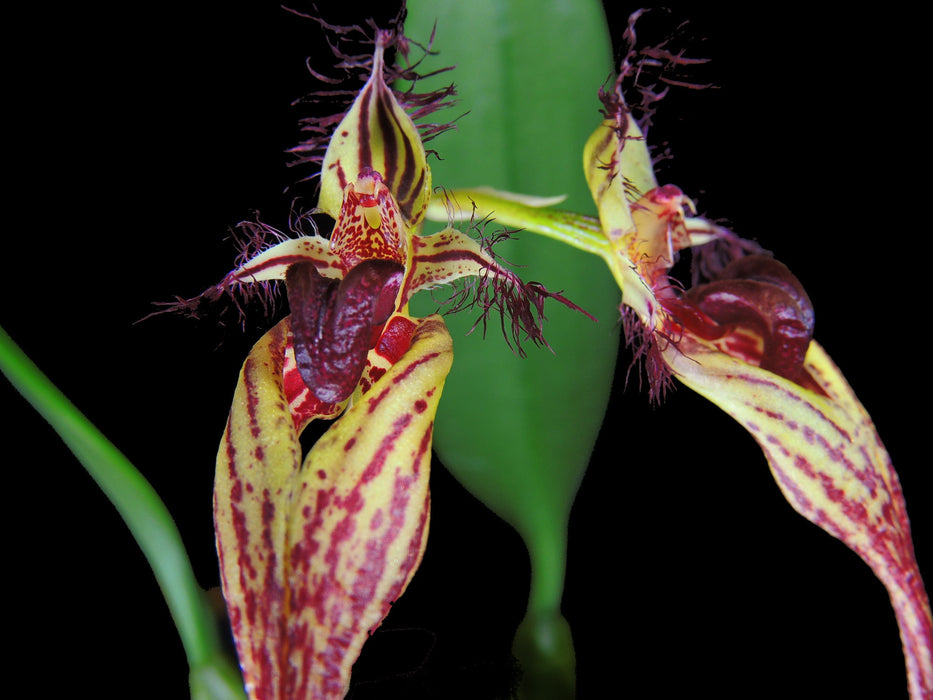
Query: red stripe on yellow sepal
(313, 552)
(447, 256)
(377, 134)
(831, 466)
(272, 263)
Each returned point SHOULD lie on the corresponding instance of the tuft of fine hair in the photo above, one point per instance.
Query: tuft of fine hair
(519, 305)
(646, 346)
(250, 238)
(353, 48)
(645, 75)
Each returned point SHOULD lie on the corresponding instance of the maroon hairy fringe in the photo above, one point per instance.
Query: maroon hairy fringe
(518, 304)
(646, 345)
(641, 70)
(352, 46)
(250, 238)
(636, 91)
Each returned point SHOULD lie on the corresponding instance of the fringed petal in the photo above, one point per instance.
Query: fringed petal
(451, 255)
(446, 256)
(272, 263)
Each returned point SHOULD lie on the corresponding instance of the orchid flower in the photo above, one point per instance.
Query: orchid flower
(315, 549)
(743, 338)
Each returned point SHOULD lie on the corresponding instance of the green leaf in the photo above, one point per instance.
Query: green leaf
(518, 432)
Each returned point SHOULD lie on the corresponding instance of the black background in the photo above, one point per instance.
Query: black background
(137, 135)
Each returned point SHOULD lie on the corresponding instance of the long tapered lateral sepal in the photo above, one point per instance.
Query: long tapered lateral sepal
(830, 464)
(313, 553)
(360, 531)
(257, 467)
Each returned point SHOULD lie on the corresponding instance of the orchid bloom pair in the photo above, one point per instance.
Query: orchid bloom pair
(314, 550)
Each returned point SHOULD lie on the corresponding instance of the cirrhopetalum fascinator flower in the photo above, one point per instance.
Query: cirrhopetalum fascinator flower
(743, 338)
(314, 549)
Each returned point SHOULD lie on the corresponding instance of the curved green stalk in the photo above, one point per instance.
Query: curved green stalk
(580, 231)
(212, 677)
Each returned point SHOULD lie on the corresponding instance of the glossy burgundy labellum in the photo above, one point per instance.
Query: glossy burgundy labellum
(758, 294)
(336, 322)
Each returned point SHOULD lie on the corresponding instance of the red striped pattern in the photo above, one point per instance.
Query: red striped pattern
(313, 552)
(377, 134)
(830, 464)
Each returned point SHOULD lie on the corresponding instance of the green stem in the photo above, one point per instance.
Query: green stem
(547, 576)
(578, 230)
(144, 513)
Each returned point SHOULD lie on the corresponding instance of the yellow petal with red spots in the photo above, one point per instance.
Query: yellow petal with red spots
(313, 554)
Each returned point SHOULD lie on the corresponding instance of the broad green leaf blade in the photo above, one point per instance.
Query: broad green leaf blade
(518, 432)
(212, 677)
